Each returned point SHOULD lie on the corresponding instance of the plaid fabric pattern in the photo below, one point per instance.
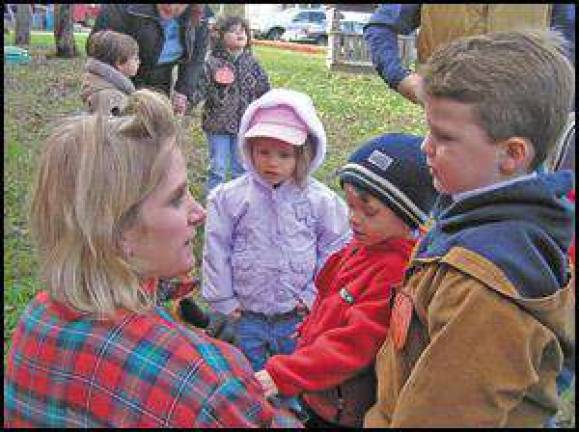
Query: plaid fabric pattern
(67, 370)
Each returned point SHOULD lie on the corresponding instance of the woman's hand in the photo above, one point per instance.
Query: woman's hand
(267, 384)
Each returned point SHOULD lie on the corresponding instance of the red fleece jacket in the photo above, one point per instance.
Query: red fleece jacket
(338, 339)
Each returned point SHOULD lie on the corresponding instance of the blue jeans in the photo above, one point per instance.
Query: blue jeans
(260, 336)
(223, 154)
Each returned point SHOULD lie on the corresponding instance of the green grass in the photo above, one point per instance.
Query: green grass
(42, 39)
(353, 108)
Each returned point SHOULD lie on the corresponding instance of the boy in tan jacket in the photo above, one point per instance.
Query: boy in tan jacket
(113, 60)
(483, 322)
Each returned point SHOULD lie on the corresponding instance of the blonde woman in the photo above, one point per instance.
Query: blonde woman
(112, 213)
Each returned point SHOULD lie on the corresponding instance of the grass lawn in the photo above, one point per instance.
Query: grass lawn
(353, 108)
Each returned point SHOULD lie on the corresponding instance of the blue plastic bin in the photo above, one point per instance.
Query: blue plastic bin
(16, 55)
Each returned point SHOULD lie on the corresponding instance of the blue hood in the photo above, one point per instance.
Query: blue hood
(525, 229)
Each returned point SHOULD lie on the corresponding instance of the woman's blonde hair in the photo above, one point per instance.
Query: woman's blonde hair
(94, 173)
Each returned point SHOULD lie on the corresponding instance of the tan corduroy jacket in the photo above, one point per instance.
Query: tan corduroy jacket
(443, 23)
(476, 353)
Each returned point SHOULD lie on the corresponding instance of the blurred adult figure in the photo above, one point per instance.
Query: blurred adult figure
(442, 23)
(167, 34)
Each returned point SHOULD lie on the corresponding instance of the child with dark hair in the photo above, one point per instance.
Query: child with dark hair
(232, 79)
(113, 60)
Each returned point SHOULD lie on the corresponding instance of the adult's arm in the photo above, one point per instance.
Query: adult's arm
(190, 71)
(381, 36)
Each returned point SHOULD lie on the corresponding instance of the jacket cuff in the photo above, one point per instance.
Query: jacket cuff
(283, 386)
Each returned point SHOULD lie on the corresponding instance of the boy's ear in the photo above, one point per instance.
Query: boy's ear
(516, 155)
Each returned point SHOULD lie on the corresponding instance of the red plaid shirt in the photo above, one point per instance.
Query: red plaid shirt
(65, 369)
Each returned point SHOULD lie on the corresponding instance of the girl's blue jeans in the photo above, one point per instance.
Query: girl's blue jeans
(223, 156)
(260, 336)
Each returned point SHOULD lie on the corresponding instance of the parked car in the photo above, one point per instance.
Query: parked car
(294, 19)
(354, 22)
(350, 22)
(312, 32)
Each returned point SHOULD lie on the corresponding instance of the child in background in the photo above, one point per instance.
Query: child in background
(269, 231)
(232, 79)
(389, 192)
(113, 59)
(484, 321)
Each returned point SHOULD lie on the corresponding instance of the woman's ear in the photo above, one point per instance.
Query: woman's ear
(516, 155)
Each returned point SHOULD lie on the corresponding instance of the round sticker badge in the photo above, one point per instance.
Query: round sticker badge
(224, 75)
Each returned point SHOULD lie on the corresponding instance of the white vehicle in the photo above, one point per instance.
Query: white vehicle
(274, 26)
(354, 22)
(350, 22)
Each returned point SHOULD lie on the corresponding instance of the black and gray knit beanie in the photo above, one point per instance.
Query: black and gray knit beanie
(392, 168)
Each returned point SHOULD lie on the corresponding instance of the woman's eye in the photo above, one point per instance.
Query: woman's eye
(178, 200)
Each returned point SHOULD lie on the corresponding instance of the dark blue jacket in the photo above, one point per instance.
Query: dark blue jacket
(525, 229)
(390, 20)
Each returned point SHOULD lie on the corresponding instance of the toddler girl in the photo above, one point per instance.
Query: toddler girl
(232, 79)
(269, 231)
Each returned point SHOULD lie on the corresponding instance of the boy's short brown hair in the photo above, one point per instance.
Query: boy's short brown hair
(111, 47)
(519, 82)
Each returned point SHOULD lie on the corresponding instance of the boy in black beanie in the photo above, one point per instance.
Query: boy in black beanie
(389, 193)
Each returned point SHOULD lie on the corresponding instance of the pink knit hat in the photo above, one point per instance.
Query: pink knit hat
(279, 122)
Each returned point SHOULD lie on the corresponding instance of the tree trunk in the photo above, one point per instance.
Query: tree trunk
(23, 24)
(63, 31)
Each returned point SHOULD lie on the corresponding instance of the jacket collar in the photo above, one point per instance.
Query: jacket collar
(110, 74)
